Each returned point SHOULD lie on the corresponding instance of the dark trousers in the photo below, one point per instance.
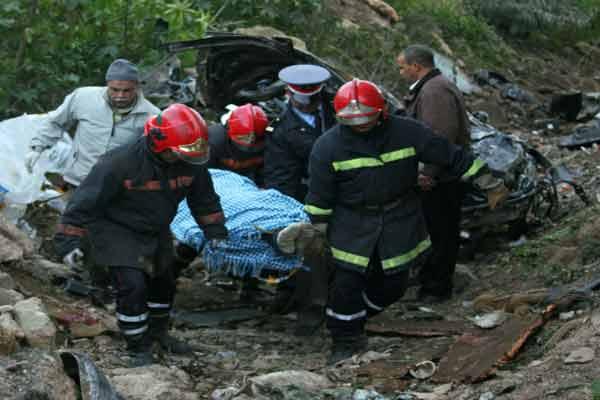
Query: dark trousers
(356, 296)
(441, 207)
(140, 297)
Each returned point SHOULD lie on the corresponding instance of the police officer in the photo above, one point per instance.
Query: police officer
(125, 206)
(239, 144)
(363, 175)
(306, 117)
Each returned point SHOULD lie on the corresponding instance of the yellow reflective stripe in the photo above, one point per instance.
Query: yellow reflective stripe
(398, 154)
(314, 210)
(356, 163)
(406, 257)
(349, 257)
(475, 167)
(374, 162)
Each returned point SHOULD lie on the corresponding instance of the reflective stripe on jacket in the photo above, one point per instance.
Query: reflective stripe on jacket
(363, 186)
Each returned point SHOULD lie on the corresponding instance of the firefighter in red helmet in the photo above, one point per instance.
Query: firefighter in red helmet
(238, 145)
(120, 215)
(363, 175)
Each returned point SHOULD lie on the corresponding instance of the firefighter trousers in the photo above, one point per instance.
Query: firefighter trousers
(141, 298)
(356, 296)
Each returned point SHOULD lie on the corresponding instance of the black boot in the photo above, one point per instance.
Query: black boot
(159, 332)
(139, 350)
(345, 347)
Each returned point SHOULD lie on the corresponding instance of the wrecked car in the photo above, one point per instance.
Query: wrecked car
(531, 177)
(235, 69)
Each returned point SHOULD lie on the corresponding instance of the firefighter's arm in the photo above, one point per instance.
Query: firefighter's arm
(205, 206)
(462, 164)
(321, 189)
(86, 203)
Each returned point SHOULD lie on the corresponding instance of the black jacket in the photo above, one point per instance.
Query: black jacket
(288, 149)
(128, 201)
(363, 185)
(225, 155)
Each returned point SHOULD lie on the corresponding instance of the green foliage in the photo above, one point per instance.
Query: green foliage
(52, 46)
(522, 17)
(278, 13)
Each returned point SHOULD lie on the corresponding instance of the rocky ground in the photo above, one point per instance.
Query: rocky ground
(541, 334)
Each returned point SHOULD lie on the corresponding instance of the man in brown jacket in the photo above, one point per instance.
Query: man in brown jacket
(438, 103)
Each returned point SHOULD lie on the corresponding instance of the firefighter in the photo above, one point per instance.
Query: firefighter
(307, 116)
(124, 208)
(363, 176)
(239, 145)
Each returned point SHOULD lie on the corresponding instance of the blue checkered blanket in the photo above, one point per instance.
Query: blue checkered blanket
(248, 211)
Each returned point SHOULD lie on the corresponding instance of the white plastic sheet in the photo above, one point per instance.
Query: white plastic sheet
(21, 186)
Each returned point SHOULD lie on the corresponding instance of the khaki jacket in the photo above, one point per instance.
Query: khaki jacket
(96, 128)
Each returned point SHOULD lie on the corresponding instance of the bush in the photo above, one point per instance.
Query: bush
(50, 47)
(523, 17)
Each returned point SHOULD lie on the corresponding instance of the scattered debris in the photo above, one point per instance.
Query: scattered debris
(423, 370)
(582, 355)
(490, 320)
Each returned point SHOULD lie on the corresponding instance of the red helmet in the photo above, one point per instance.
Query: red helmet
(180, 129)
(246, 127)
(358, 103)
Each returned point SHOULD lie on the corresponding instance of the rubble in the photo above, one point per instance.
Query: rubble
(155, 382)
(37, 326)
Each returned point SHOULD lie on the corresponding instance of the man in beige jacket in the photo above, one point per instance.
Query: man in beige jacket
(99, 119)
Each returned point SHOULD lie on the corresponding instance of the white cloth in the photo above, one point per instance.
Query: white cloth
(31, 158)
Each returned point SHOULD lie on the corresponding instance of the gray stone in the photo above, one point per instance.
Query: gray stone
(10, 334)
(36, 324)
(581, 355)
(305, 380)
(154, 382)
(6, 281)
(14, 244)
(9, 297)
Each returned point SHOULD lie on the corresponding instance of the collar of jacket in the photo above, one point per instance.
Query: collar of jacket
(431, 74)
(366, 144)
(298, 121)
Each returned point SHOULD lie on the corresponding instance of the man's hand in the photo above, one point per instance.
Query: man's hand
(494, 189)
(497, 195)
(74, 259)
(425, 182)
(32, 157)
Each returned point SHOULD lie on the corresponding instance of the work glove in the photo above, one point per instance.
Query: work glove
(494, 189)
(74, 259)
(296, 237)
(32, 157)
